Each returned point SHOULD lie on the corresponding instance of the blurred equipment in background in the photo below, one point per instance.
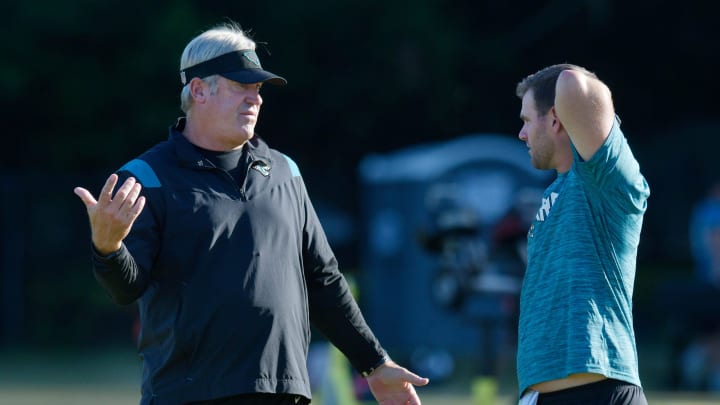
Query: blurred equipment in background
(444, 248)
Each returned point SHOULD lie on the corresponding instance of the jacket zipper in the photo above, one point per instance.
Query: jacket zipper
(243, 189)
(208, 165)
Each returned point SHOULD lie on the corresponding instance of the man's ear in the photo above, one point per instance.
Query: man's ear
(198, 89)
(556, 124)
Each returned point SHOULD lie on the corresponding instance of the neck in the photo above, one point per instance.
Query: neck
(203, 134)
(564, 166)
(564, 157)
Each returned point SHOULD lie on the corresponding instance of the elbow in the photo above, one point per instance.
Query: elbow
(571, 82)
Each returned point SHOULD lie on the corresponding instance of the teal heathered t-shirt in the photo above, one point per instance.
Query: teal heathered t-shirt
(576, 298)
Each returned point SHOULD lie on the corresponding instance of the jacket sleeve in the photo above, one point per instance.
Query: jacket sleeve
(333, 309)
(118, 273)
(125, 274)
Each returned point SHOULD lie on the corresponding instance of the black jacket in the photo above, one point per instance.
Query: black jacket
(229, 276)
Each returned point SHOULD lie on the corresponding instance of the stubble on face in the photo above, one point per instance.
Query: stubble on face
(541, 145)
(539, 138)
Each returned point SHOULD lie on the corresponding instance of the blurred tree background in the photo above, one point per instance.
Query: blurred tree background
(87, 85)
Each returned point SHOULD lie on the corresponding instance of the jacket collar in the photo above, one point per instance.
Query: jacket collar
(257, 149)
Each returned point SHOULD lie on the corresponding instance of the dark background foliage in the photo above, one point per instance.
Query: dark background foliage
(87, 85)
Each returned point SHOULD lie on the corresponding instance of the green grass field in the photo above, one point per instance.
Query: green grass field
(111, 377)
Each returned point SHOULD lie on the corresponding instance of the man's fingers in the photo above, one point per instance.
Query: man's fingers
(106, 192)
(137, 208)
(415, 379)
(134, 192)
(414, 399)
(127, 194)
(85, 196)
(121, 195)
(124, 206)
(133, 203)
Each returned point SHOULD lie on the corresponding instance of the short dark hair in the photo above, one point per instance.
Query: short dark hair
(542, 83)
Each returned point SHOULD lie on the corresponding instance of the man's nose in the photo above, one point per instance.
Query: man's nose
(255, 98)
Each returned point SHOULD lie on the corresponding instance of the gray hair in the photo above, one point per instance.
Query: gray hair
(214, 42)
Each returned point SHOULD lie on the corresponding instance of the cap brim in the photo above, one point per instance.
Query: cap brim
(248, 76)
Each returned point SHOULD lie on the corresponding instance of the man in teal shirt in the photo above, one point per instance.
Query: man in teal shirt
(576, 343)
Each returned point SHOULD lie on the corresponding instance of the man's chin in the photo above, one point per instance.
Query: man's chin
(538, 165)
(246, 133)
(249, 132)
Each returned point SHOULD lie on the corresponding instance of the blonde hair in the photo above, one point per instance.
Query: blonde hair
(221, 39)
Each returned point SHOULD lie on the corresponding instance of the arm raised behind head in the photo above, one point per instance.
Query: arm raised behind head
(584, 106)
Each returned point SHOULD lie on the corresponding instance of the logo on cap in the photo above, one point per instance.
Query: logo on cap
(252, 57)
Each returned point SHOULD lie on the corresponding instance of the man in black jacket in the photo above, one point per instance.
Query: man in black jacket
(213, 233)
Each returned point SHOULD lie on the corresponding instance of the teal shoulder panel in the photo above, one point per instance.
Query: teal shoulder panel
(142, 172)
(294, 169)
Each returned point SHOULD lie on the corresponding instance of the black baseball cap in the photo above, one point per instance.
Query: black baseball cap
(242, 66)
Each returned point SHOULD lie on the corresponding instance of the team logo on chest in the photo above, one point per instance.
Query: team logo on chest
(261, 167)
(547, 204)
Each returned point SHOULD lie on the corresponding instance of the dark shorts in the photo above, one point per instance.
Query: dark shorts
(256, 399)
(605, 392)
